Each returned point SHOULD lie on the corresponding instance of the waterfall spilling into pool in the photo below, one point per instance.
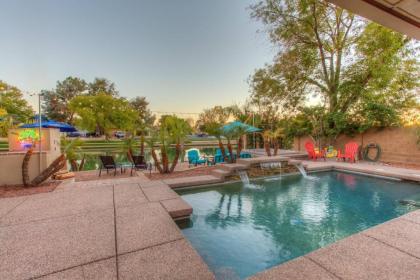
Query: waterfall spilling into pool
(244, 177)
(302, 171)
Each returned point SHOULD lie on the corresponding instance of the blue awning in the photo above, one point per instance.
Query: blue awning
(64, 127)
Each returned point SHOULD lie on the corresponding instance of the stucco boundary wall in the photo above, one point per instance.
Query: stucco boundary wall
(399, 144)
(11, 161)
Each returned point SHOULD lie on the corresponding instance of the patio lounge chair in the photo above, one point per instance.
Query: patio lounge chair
(194, 157)
(138, 163)
(107, 162)
(350, 152)
(312, 153)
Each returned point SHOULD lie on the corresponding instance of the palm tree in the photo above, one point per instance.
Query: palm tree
(53, 168)
(276, 135)
(272, 137)
(72, 149)
(172, 130)
(32, 137)
(179, 129)
(215, 129)
(164, 137)
(69, 148)
(151, 142)
(69, 152)
(267, 136)
(232, 134)
(25, 169)
(239, 132)
(128, 146)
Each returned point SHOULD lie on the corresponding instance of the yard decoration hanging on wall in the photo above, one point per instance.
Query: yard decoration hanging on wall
(28, 138)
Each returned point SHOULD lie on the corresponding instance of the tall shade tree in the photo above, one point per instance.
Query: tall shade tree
(145, 119)
(329, 53)
(12, 103)
(102, 86)
(55, 102)
(102, 112)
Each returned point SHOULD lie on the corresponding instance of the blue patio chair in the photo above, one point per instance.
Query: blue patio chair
(218, 157)
(194, 158)
(245, 155)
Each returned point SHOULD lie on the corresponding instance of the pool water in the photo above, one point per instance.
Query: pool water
(240, 230)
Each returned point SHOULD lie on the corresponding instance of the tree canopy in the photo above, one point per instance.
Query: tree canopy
(103, 112)
(55, 102)
(13, 104)
(102, 86)
(145, 118)
(356, 70)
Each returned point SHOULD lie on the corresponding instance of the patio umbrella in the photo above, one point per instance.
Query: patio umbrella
(64, 127)
(240, 125)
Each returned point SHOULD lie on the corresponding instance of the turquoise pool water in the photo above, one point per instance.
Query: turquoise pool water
(241, 230)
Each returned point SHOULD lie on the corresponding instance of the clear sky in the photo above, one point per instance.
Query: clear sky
(183, 55)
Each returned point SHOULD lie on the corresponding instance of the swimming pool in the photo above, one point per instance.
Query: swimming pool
(241, 230)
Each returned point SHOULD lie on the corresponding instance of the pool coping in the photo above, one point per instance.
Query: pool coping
(127, 206)
(389, 250)
(323, 262)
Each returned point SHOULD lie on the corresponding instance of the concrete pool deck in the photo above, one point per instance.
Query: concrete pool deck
(388, 251)
(124, 229)
(105, 229)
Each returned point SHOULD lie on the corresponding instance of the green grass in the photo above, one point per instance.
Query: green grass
(4, 145)
(95, 144)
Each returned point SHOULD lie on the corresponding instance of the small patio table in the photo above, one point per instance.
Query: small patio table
(124, 165)
(210, 160)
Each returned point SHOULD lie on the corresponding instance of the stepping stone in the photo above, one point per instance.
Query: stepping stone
(177, 208)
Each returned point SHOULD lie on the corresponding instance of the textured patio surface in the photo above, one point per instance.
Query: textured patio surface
(124, 229)
(363, 167)
(99, 229)
(387, 251)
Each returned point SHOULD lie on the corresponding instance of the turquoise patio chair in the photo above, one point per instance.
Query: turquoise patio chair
(218, 157)
(245, 155)
(194, 157)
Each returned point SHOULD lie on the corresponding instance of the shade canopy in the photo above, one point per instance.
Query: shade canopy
(64, 127)
(231, 127)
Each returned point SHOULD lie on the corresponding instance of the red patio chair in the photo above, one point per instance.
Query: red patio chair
(350, 152)
(312, 153)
